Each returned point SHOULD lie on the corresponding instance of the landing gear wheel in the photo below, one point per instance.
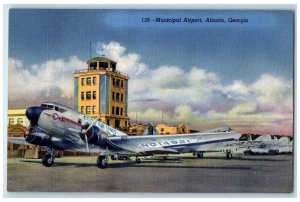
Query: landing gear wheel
(113, 157)
(48, 160)
(200, 155)
(229, 155)
(138, 160)
(102, 162)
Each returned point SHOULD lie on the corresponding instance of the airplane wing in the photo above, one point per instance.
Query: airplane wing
(18, 140)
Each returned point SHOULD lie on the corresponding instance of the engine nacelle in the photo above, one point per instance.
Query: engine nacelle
(94, 136)
(37, 140)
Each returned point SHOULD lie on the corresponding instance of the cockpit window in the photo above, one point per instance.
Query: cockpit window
(47, 106)
(61, 110)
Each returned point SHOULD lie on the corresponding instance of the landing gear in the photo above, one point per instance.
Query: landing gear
(102, 161)
(114, 157)
(49, 157)
(228, 155)
(138, 160)
(199, 155)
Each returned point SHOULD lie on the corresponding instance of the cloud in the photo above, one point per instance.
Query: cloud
(49, 81)
(127, 62)
(195, 96)
(245, 108)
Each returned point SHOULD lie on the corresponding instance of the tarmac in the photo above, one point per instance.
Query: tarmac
(177, 174)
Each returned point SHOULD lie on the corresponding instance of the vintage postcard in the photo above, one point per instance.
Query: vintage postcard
(150, 100)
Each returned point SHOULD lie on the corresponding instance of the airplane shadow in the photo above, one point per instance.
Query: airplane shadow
(160, 162)
(145, 164)
(178, 166)
(58, 164)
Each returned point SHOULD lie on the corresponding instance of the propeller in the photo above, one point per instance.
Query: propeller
(84, 132)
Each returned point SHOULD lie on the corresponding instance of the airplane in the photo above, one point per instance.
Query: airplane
(266, 144)
(59, 127)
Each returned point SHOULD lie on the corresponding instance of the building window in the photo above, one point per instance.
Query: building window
(121, 111)
(118, 83)
(20, 121)
(113, 95)
(82, 95)
(121, 97)
(11, 121)
(82, 109)
(88, 95)
(93, 65)
(103, 65)
(122, 83)
(117, 111)
(94, 95)
(88, 81)
(114, 81)
(118, 96)
(82, 81)
(94, 109)
(113, 110)
(94, 80)
(125, 123)
(88, 109)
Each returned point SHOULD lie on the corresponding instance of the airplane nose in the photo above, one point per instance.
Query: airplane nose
(33, 114)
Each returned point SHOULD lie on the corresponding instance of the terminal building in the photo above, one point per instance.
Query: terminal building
(102, 90)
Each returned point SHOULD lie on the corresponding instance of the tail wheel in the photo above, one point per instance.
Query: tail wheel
(229, 155)
(114, 157)
(102, 162)
(200, 155)
(47, 160)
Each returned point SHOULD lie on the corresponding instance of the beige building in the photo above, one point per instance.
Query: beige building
(17, 117)
(167, 129)
(102, 90)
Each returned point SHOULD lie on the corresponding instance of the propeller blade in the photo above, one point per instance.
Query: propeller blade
(87, 145)
(93, 123)
(74, 130)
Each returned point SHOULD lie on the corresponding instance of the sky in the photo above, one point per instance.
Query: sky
(198, 74)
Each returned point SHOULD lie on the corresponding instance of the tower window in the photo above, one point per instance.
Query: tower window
(93, 65)
(113, 110)
(113, 95)
(94, 95)
(82, 95)
(117, 111)
(82, 109)
(122, 83)
(103, 65)
(94, 109)
(88, 95)
(88, 109)
(118, 96)
(94, 80)
(118, 82)
(121, 111)
(114, 81)
(82, 81)
(88, 81)
(121, 97)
